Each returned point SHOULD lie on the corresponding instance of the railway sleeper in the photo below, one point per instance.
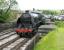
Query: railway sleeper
(17, 44)
(30, 44)
(8, 41)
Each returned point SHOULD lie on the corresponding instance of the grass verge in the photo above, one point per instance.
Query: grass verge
(53, 41)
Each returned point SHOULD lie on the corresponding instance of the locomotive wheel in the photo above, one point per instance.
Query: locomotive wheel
(19, 34)
(16, 32)
(28, 35)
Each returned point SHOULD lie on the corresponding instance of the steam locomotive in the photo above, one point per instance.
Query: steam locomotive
(28, 23)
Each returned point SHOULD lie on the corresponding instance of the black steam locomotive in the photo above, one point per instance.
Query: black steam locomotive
(28, 23)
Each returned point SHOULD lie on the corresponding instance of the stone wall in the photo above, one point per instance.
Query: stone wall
(4, 26)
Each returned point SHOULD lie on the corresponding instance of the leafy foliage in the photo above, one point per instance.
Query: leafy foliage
(5, 9)
(51, 12)
(59, 23)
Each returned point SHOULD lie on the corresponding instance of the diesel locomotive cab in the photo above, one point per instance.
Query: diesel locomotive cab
(28, 23)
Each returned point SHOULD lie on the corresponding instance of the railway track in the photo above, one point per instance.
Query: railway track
(9, 40)
(12, 41)
(6, 31)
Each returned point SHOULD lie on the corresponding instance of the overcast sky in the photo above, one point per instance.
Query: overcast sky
(41, 4)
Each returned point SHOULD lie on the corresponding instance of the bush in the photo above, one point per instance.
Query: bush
(59, 23)
(6, 17)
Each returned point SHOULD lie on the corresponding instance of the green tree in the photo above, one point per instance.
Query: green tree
(51, 12)
(5, 9)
